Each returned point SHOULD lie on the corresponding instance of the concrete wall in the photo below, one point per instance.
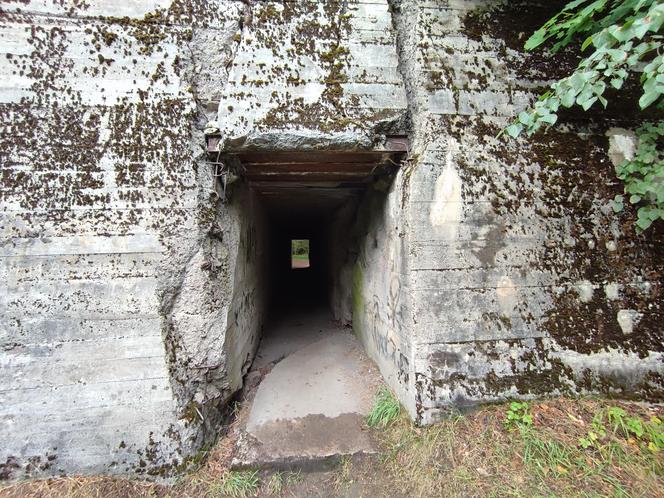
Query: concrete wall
(311, 74)
(523, 281)
(117, 304)
(247, 310)
(380, 287)
(344, 246)
(131, 300)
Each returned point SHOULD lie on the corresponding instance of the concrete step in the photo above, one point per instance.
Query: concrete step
(252, 454)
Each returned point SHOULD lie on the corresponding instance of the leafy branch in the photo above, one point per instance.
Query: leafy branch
(643, 176)
(625, 38)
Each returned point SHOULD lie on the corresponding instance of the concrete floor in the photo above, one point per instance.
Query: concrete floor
(310, 407)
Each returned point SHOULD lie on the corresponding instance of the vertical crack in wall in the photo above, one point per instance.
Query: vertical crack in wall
(405, 16)
(404, 19)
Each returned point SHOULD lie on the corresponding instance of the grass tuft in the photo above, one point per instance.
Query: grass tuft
(275, 484)
(279, 481)
(546, 456)
(386, 409)
(343, 474)
(237, 484)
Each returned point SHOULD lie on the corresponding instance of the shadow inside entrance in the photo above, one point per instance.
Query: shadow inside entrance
(299, 310)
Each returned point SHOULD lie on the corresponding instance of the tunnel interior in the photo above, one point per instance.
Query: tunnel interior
(302, 214)
(323, 198)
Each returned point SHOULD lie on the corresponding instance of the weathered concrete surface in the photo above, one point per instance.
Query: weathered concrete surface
(322, 378)
(376, 279)
(131, 296)
(314, 75)
(290, 332)
(310, 407)
(521, 280)
(128, 300)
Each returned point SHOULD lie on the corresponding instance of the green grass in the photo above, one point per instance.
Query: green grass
(529, 449)
(275, 484)
(237, 484)
(386, 409)
(556, 448)
(279, 481)
(343, 478)
(546, 456)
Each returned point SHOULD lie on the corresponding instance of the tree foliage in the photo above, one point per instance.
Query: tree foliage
(625, 38)
(643, 176)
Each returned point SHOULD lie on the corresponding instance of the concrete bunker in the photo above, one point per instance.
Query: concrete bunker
(483, 271)
(308, 135)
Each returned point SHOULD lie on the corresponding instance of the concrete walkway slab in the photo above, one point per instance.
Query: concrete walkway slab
(310, 408)
(290, 332)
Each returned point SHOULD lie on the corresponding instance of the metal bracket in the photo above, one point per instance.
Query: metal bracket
(220, 171)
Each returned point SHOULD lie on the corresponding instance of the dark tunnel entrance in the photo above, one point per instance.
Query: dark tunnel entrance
(317, 197)
(334, 200)
(308, 379)
(314, 215)
(292, 285)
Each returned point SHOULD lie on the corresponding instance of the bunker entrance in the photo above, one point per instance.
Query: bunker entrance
(324, 199)
(317, 216)
(312, 207)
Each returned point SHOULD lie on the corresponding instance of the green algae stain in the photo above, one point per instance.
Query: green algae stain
(358, 298)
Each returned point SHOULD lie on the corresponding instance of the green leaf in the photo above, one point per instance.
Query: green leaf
(635, 426)
(537, 38)
(615, 413)
(643, 222)
(549, 118)
(569, 98)
(526, 118)
(617, 203)
(514, 130)
(648, 98)
(587, 104)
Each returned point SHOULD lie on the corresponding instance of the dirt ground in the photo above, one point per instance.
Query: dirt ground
(560, 447)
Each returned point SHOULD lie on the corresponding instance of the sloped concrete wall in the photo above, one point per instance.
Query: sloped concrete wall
(523, 280)
(118, 267)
